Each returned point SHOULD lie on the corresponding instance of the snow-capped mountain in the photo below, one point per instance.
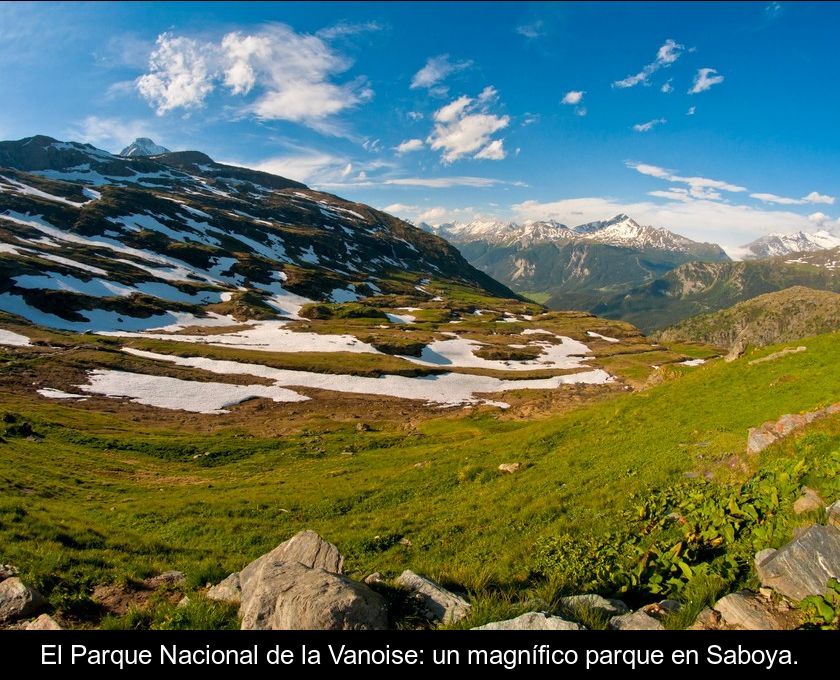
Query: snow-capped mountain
(143, 146)
(89, 239)
(774, 245)
(621, 230)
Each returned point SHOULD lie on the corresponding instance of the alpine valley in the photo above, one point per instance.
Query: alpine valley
(203, 365)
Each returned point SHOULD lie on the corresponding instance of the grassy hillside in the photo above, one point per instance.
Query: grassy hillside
(701, 288)
(774, 317)
(92, 496)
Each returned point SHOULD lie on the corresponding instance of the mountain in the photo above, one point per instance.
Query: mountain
(782, 316)
(143, 146)
(774, 245)
(704, 287)
(574, 267)
(93, 240)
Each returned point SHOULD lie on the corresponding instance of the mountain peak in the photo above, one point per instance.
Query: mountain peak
(143, 146)
(777, 244)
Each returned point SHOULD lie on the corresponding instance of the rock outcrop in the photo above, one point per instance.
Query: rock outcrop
(18, 600)
(227, 590)
(768, 433)
(747, 611)
(532, 621)
(803, 566)
(437, 603)
(638, 620)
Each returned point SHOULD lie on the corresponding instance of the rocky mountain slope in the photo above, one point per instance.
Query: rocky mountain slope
(143, 146)
(774, 245)
(574, 267)
(93, 240)
(701, 288)
(783, 316)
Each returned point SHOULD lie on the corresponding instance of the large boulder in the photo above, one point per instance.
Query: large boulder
(638, 620)
(227, 590)
(747, 611)
(437, 603)
(594, 603)
(18, 600)
(532, 621)
(803, 566)
(292, 596)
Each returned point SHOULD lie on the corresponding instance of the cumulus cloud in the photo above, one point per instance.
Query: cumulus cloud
(666, 55)
(705, 79)
(573, 97)
(437, 69)
(291, 75)
(399, 208)
(813, 197)
(667, 88)
(409, 145)
(465, 127)
(647, 127)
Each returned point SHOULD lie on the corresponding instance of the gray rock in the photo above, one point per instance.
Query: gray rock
(510, 468)
(803, 566)
(375, 577)
(167, 578)
(437, 602)
(227, 590)
(759, 438)
(593, 602)
(532, 621)
(18, 600)
(638, 620)
(832, 513)
(747, 611)
(291, 596)
(809, 501)
(762, 556)
(306, 548)
(43, 622)
(707, 619)
(7, 571)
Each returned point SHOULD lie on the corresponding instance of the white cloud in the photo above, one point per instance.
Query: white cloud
(573, 97)
(290, 74)
(415, 115)
(113, 134)
(494, 151)
(305, 165)
(433, 215)
(813, 197)
(437, 69)
(409, 145)
(399, 208)
(704, 79)
(647, 127)
(532, 30)
(465, 127)
(447, 182)
(667, 88)
(580, 111)
(666, 55)
(698, 187)
(345, 29)
(691, 110)
(180, 74)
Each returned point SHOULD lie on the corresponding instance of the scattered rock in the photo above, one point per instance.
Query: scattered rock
(595, 603)
(803, 566)
(747, 611)
(292, 596)
(227, 590)
(779, 354)
(7, 571)
(833, 514)
(375, 577)
(184, 602)
(43, 622)
(809, 501)
(759, 438)
(638, 620)
(707, 619)
(362, 427)
(789, 422)
(510, 468)
(167, 578)
(18, 600)
(532, 621)
(659, 610)
(737, 349)
(438, 603)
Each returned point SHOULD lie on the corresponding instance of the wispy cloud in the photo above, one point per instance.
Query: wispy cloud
(813, 197)
(647, 127)
(436, 70)
(533, 30)
(448, 182)
(698, 187)
(666, 55)
(705, 79)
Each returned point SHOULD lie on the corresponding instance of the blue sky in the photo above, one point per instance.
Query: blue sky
(716, 120)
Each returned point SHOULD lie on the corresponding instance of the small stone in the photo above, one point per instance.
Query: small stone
(707, 619)
(833, 514)
(167, 578)
(375, 577)
(746, 611)
(760, 438)
(406, 542)
(595, 603)
(788, 423)
(7, 571)
(43, 622)
(638, 620)
(809, 501)
(227, 590)
(438, 603)
(510, 468)
(184, 602)
(532, 621)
